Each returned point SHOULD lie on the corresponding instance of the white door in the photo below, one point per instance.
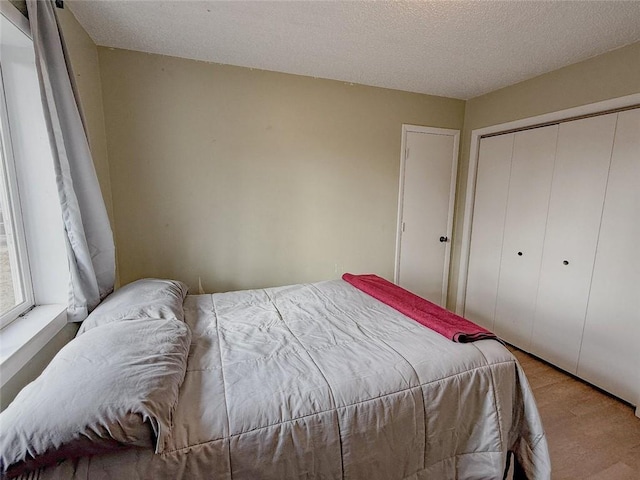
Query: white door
(528, 199)
(425, 212)
(609, 355)
(489, 209)
(575, 208)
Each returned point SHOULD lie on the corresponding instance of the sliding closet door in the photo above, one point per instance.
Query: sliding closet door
(609, 356)
(528, 199)
(575, 208)
(490, 206)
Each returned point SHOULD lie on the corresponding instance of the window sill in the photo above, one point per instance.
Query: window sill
(23, 338)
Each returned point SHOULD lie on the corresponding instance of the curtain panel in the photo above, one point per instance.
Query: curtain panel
(89, 237)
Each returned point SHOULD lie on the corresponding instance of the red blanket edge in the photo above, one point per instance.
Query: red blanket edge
(438, 319)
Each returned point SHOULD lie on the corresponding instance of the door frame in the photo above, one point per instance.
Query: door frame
(406, 128)
(540, 120)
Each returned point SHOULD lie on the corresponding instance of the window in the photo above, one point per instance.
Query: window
(33, 259)
(31, 226)
(16, 293)
(15, 281)
(33, 293)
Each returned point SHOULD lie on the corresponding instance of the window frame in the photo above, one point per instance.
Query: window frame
(20, 267)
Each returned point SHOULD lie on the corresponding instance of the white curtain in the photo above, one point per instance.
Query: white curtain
(89, 238)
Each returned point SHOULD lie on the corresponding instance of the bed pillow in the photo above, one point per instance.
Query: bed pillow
(114, 387)
(146, 298)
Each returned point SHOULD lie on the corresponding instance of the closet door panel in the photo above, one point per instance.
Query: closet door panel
(575, 209)
(609, 354)
(490, 205)
(528, 198)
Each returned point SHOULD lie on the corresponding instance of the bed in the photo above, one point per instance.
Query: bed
(310, 381)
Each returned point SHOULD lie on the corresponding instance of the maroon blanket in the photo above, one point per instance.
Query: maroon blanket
(446, 323)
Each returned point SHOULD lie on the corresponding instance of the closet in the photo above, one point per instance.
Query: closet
(553, 264)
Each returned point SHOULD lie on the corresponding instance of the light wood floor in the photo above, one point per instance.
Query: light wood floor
(591, 435)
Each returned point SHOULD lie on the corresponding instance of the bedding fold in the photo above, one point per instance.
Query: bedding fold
(438, 319)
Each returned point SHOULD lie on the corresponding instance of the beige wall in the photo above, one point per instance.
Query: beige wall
(611, 75)
(291, 174)
(245, 178)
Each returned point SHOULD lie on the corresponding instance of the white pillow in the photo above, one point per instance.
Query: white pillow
(146, 298)
(114, 387)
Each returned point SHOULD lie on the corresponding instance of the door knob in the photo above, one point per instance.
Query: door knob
(444, 239)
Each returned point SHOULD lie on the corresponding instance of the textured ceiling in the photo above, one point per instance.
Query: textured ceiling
(457, 49)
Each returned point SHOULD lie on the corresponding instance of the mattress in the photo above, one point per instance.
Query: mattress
(321, 381)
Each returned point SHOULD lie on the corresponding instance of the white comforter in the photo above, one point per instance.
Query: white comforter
(321, 381)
